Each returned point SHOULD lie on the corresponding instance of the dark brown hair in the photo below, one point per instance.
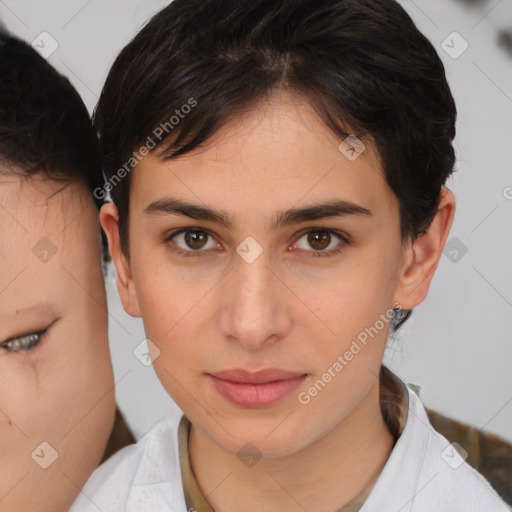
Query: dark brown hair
(45, 128)
(362, 64)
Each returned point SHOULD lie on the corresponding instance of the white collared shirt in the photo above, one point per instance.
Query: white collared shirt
(423, 473)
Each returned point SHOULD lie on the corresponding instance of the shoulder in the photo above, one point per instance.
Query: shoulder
(425, 473)
(445, 480)
(455, 485)
(141, 472)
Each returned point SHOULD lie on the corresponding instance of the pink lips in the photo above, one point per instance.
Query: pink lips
(255, 389)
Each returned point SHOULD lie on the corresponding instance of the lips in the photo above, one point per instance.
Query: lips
(260, 377)
(255, 389)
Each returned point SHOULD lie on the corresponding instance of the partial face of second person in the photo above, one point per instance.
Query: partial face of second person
(254, 296)
(56, 387)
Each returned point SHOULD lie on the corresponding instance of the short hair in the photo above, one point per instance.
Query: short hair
(362, 64)
(45, 127)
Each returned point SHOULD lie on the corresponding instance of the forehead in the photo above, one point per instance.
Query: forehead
(42, 219)
(277, 154)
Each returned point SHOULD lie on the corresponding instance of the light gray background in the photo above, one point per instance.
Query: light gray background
(458, 344)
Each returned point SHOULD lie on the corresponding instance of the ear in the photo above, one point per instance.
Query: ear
(109, 219)
(422, 256)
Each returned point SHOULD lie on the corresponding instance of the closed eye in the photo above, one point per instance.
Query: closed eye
(25, 342)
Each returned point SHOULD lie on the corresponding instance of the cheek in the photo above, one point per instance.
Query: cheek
(176, 320)
(16, 408)
(48, 393)
(78, 373)
(169, 297)
(346, 301)
(29, 405)
(352, 319)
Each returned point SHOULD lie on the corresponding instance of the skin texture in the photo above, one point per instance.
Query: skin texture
(287, 309)
(61, 391)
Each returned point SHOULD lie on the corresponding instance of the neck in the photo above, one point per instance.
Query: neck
(324, 476)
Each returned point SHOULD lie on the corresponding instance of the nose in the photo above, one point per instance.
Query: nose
(254, 309)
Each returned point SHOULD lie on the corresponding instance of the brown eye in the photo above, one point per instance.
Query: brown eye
(190, 242)
(196, 239)
(322, 242)
(319, 240)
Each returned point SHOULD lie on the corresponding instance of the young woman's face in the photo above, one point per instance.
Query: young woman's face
(56, 386)
(256, 296)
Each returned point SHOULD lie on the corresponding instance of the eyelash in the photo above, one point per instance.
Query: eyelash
(26, 342)
(314, 254)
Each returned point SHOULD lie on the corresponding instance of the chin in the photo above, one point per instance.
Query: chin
(266, 437)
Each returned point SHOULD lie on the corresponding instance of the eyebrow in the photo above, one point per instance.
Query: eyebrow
(39, 308)
(334, 208)
(45, 309)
